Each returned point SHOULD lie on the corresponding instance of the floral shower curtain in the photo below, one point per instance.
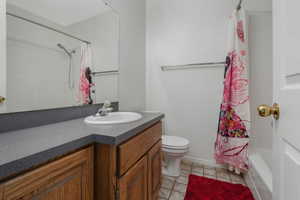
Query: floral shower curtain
(85, 83)
(231, 146)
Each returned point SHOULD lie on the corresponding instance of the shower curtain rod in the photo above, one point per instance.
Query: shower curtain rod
(194, 65)
(112, 72)
(47, 27)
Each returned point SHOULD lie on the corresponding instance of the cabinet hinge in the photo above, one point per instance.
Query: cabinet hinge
(117, 194)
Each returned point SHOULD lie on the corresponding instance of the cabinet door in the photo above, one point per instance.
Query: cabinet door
(133, 185)
(154, 171)
(132, 150)
(69, 178)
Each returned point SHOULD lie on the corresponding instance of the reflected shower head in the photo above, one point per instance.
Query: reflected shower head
(65, 50)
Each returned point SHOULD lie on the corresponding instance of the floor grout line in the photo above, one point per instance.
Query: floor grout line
(172, 189)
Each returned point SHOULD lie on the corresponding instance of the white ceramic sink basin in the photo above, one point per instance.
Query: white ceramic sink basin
(113, 118)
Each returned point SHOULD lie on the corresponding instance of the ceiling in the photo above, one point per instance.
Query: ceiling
(62, 12)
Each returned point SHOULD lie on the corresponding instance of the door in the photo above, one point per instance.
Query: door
(133, 185)
(154, 171)
(286, 146)
(69, 178)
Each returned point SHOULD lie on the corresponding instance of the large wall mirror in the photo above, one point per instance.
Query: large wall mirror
(60, 53)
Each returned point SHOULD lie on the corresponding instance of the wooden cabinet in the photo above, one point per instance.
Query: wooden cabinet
(154, 171)
(133, 185)
(69, 178)
(142, 181)
(132, 170)
(131, 151)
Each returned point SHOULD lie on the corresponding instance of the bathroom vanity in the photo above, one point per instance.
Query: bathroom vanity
(127, 166)
(49, 83)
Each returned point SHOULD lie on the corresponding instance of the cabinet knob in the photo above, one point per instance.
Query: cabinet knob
(2, 99)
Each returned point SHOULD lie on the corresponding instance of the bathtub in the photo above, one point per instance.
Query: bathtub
(259, 178)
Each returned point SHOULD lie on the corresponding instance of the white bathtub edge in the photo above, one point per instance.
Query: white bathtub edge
(261, 168)
(251, 184)
(259, 178)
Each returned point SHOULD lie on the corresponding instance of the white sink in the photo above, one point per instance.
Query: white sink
(113, 118)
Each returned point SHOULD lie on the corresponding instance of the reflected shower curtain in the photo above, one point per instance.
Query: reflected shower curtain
(231, 146)
(85, 84)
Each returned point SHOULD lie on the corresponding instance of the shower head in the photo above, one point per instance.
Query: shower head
(65, 50)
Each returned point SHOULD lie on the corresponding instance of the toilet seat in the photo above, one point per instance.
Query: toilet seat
(174, 143)
(175, 152)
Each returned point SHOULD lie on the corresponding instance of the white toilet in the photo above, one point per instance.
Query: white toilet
(174, 148)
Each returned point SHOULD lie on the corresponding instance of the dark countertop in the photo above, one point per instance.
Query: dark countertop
(23, 149)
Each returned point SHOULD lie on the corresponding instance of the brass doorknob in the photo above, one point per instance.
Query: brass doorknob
(2, 99)
(266, 111)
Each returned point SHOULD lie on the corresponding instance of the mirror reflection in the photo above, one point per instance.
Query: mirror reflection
(60, 53)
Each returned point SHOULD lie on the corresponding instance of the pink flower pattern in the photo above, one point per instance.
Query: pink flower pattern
(84, 87)
(231, 125)
(235, 87)
(85, 84)
(231, 146)
(240, 30)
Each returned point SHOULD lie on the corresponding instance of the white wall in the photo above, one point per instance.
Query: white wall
(132, 53)
(187, 32)
(261, 85)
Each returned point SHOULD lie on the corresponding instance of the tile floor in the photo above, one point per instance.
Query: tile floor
(174, 188)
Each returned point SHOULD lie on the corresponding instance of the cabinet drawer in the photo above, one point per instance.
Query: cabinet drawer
(130, 152)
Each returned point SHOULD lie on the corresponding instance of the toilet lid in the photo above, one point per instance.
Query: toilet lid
(174, 142)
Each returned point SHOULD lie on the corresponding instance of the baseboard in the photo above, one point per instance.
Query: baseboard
(211, 163)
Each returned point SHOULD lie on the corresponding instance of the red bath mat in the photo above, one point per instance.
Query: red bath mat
(201, 188)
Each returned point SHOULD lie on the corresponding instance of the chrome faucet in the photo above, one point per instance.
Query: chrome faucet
(105, 109)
